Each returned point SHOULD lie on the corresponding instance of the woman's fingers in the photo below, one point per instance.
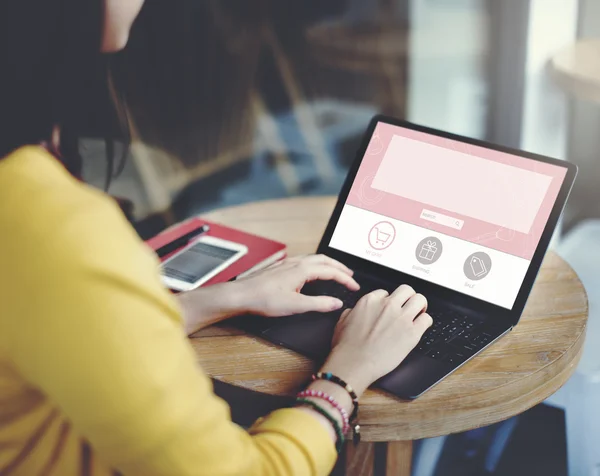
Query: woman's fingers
(324, 272)
(345, 314)
(423, 322)
(373, 296)
(415, 305)
(326, 260)
(378, 293)
(402, 294)
(300, 303)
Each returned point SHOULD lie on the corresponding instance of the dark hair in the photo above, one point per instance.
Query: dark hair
(52, 73)
(188, 74)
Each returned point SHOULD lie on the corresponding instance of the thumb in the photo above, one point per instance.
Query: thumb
(345, 314)
(302, 303)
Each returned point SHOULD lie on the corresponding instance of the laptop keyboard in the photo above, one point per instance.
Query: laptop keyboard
(453, 338)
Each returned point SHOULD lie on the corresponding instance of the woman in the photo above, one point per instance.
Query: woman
(96, 373)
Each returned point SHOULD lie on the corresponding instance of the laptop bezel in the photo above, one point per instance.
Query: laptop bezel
(506, 317)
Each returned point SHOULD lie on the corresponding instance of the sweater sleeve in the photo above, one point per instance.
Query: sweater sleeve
(103, 340)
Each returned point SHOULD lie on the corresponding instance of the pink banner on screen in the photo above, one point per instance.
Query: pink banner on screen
(502, 202)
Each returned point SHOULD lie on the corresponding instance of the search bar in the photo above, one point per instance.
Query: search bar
(441, 219)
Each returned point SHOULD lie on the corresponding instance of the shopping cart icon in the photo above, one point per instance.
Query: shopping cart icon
(382, 235)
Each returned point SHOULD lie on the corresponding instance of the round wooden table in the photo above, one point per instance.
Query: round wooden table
(518, 372)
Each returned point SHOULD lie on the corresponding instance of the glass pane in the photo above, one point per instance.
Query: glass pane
(238, 101)
(245, 100)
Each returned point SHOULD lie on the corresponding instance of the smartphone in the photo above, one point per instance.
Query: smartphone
(199, 261)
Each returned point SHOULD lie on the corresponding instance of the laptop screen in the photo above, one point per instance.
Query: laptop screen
(458, 215)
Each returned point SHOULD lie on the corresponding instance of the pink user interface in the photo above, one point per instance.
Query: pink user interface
(463, 216)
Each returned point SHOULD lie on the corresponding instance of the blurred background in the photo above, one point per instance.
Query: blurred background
(279, 107)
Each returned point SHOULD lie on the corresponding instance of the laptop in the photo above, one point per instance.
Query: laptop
(464, 222)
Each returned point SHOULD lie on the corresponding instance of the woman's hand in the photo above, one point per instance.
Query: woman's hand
(372, 339)
(275, 291)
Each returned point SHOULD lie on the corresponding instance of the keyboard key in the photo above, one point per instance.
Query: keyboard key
(481, 341)
(436, 354)
(455, 359)
(461, 343)
(453, 338)
(429, 342)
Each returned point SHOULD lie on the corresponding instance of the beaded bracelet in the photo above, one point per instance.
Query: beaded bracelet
(336, 426)
(338, 381)
(332, 401)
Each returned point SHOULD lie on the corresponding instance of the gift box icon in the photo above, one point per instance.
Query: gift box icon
(428, 250)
